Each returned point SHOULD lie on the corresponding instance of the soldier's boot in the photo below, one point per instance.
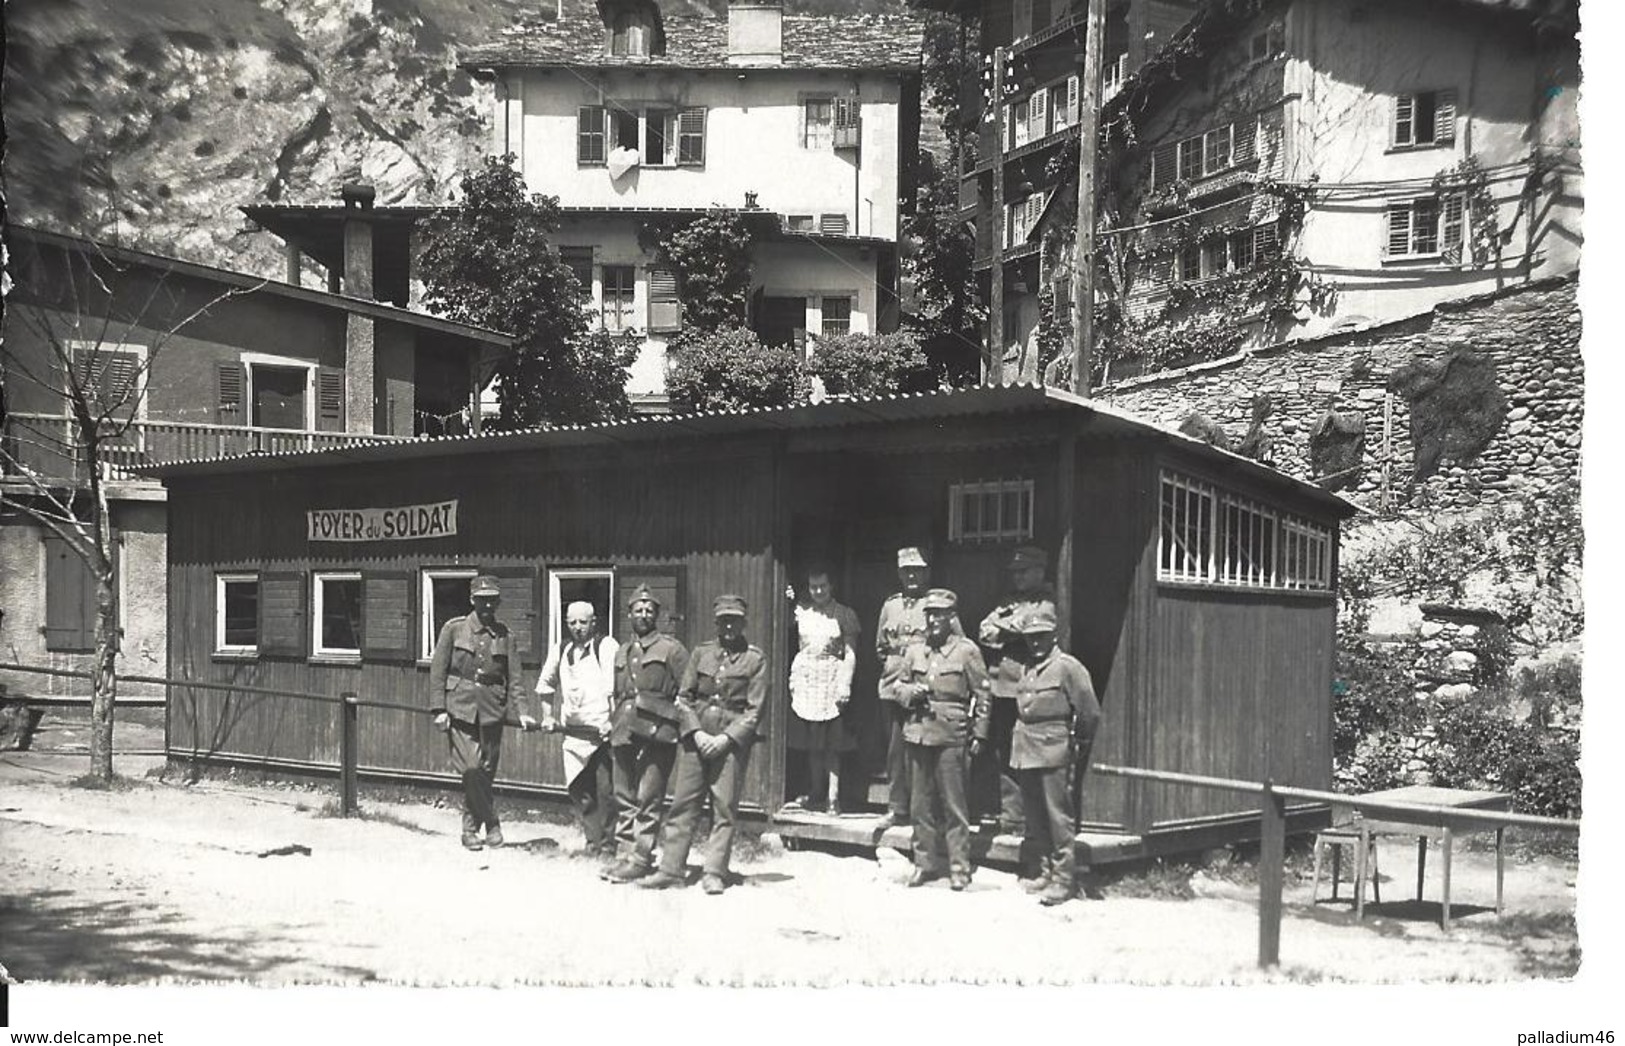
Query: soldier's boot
(627, 870)
(471, 831)
(493, 834)
(713, 884)
(1036, 883)
(1059, 891)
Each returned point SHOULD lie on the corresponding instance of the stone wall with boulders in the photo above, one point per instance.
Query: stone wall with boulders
(1464, 405)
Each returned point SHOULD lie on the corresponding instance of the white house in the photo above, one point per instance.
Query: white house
(806, 126)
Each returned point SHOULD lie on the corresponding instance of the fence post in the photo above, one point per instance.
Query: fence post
(348, 711)
(1271, 873)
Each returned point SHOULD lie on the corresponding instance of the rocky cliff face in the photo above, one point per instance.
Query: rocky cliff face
(149, 122)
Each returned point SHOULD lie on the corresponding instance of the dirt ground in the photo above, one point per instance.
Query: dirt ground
(222, 881)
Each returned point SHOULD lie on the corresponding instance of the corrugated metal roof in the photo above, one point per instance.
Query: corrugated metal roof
(830, 414)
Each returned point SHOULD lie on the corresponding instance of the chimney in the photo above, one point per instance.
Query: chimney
(755, 34)
(358, 260)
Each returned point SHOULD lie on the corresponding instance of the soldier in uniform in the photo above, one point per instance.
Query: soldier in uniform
(643, 736)
(1001, 639)
(901, 625)
(1056, 710)
(719, 708)
(470, 690)
(943, 684)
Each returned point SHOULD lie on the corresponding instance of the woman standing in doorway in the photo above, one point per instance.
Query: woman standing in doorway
(821, 689)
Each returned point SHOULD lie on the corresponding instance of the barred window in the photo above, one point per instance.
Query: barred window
(1000, 510)
(1210, 536)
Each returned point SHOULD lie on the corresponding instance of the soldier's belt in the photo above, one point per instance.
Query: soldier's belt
(490, 678)
(1047, 719)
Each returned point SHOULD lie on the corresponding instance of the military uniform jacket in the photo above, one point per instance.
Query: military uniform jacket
(956, 704)
(1051, 696)
(648, 672)
(722, 692)
(470, 675)
(1000, 635)
(901, 625)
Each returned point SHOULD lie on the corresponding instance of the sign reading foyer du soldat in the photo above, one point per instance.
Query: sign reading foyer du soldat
(401, 523)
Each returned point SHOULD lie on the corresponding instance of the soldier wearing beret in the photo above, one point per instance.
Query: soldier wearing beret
(643, 735)
(900, 626)
(1056, 710)
(719, 708)
(470, 690)
(944, 685)
(1001, 640)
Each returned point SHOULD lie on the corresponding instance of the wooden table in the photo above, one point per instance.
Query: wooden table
(1437, 825)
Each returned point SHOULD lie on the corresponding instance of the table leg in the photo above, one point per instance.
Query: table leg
(1337, 867)
(1421, 863)
(1360, 865)
(1445, 921)
(1500, 868)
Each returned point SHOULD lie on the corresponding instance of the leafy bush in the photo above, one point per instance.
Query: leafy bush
(871, 364)
(1487, 749)
(731, 369)
(1373, 694)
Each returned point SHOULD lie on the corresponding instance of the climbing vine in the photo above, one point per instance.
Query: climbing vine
(1482, 238)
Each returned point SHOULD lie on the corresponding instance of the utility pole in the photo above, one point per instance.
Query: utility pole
(993, 359)
(1083, 240)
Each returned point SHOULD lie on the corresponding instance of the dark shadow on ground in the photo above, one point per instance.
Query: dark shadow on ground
(50, 935)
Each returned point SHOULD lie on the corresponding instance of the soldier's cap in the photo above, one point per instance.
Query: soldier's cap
(726, 606)
(484, 585)
(642, 595)
(1029, 556)
(910, 557)
(1040, 618)
(940, 599)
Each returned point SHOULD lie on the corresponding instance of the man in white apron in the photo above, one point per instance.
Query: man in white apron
(578, 682)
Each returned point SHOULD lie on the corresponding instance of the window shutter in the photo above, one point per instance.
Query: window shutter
(1444, 117)
(665, 308)
(846, 123)
(330, 399)
(230, 384)
(1164, 165)
(590, 134)
(1399, 229)
(386, 616)
(282, 614)
(70, 598)
(1266, 242)
(1009, 127)
(666, 584)
(691, 137)
(1404, 119)
(1038, 115)
(1451, 225)
(1246, 140)
(1071, 101)
(518, 612)
(832, 224)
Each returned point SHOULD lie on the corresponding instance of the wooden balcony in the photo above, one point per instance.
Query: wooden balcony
(47, 445)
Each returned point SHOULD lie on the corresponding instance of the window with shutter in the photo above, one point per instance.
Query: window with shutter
(1165, 165)
(1425, 118)
(691, 137)
(1071, 101)
(832, 224)
(109, 378)
(1451, 223)
(442, 595)
(818, 123)
(237, 614)
(386, 612)
(1245, 140)
(1216, 150)
(579, 262)
(1266, 242)
(659, 138)
(1038, 115)
(1404, 120)
(70, 598)
(619, 290)
(1444, 118)
(336, 614)
(1021, 125)
(837, 316)
(230, 384)
(330, 399)
(665, 309)
(590, 134)
(846, 123)
(1190, 159)
(1399, 230)
(1425, 227)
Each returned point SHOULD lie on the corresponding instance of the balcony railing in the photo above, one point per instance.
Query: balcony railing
(48, 445)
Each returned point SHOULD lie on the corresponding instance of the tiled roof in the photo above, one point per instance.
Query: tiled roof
(879, 42)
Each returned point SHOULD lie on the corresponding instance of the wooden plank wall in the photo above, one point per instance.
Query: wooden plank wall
(709, 517)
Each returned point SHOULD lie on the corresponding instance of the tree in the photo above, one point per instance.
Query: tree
(711, 255)
(731, 369)
(871, 364)
(77, 313)
(939, 248)
(489, 262)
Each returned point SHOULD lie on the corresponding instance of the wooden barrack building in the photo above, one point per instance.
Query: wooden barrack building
(1196, 585)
